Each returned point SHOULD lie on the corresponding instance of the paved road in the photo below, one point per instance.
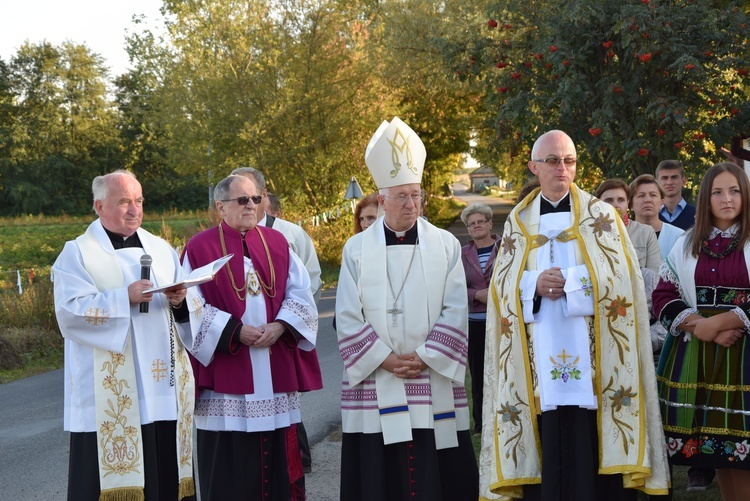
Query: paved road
(34, 448)
(323, 483)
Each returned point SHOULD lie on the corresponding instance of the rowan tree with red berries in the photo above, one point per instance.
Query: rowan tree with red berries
(633, 82)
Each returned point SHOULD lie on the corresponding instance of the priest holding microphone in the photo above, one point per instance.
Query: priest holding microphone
(129, 387)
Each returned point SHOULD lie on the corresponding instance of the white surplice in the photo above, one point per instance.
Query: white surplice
(561, 335)
(432, 320)
(301, 244)
(263, 410)
(91, 319)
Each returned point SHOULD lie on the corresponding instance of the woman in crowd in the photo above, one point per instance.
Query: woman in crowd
(702, 300)
(616, 193)
(365, 213)
(646, 198)
(478, 256)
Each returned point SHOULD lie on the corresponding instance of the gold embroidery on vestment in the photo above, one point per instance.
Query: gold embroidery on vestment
(158, 370)
(402, 148)
(96, 316)
(118, 444)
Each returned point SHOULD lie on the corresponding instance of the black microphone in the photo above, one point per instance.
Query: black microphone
(145, 275)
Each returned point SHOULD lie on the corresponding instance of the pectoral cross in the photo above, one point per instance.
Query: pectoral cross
(394, 311)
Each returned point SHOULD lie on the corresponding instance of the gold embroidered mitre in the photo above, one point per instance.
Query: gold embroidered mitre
(395, 155)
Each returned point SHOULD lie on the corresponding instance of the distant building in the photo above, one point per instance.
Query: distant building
(484, 177)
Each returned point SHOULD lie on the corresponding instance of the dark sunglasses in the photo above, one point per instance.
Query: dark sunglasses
(257, 199)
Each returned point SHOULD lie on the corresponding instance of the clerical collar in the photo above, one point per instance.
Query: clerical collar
(120, 242)
(408, 237)
(548, 207)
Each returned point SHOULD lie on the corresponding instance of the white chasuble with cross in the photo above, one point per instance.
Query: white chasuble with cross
(561, 333)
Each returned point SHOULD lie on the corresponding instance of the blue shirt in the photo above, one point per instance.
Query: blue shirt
(666, 216)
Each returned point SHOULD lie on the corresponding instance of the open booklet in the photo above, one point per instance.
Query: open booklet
(196, 277)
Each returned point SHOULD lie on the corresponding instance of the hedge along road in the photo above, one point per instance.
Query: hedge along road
(34, 457)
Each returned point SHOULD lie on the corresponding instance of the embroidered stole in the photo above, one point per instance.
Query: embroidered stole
(120, 454)
(624, 380)
(391, 391)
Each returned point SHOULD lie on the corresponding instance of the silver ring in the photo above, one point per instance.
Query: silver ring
(550, 290)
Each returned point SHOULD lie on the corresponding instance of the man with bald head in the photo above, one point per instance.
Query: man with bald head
(570, 409)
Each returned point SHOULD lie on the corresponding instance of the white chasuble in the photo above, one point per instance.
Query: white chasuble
(262, 410)
(561, 333)
(429, 317)
(123, 368)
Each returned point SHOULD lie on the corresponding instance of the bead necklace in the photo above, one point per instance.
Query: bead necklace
(719, 255)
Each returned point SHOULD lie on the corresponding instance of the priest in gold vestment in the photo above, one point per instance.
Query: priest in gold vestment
(570, 409)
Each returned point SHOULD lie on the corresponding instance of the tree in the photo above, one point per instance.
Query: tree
(633, 82)
(281, 86)
(297, 87)
(442, 110)
(145, 143)
(58, 129)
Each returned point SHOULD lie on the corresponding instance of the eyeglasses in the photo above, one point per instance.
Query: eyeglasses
(257, 199)
(404, 199)
(476, 223)
(555, 161)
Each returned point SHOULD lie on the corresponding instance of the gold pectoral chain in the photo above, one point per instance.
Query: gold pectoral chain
(237, 290)
(270, 289)
(562, 237)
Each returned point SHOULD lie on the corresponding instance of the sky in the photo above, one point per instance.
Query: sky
(99, 24)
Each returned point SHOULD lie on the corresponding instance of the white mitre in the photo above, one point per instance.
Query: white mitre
(395, 155)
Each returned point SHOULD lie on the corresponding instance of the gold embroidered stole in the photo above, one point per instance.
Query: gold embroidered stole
(120, 454)
(628, 443)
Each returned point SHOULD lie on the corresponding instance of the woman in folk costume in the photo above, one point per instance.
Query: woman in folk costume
(570, 407)
(702, 300)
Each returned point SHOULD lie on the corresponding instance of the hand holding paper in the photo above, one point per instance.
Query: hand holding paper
(196, 277)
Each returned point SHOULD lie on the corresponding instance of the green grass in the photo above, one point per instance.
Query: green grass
(30, 341)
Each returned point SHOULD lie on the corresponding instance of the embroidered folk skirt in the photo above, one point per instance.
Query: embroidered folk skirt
(704, 393)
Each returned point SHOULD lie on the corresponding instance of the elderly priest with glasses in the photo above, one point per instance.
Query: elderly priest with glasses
(252, 355)
(401, 317)
(570, 408)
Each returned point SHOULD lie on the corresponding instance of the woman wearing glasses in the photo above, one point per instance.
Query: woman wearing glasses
(478, 256)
